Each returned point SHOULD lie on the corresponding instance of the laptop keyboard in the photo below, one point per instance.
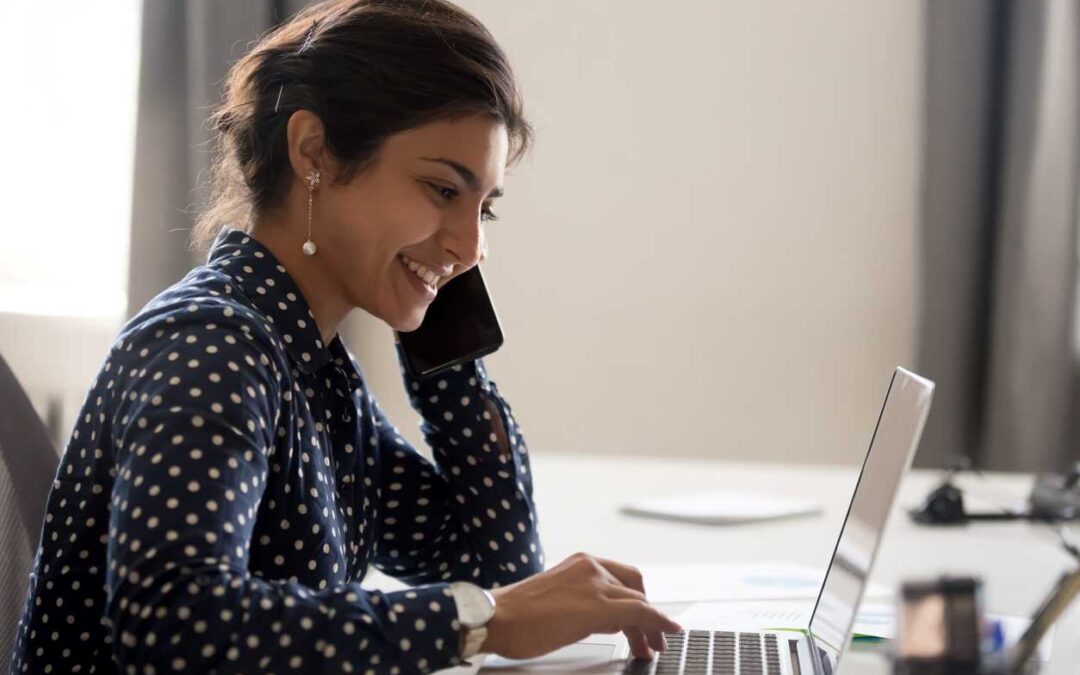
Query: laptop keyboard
(703, 652)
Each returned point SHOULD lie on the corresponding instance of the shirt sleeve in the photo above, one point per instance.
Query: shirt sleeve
(193, 432)
(470, 515)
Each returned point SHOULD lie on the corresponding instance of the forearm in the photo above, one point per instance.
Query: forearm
(484, 461)
(211, 618)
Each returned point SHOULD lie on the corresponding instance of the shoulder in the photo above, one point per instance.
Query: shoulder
(203, 317)
(209, 354)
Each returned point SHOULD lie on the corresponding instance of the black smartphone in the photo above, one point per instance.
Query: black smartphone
(460, 325)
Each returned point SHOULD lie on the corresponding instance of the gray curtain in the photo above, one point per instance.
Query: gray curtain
(187, 47)
(999, 320)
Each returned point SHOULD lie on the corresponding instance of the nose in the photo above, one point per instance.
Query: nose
(466, 242)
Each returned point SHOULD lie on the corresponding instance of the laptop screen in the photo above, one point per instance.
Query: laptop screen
(892, 448)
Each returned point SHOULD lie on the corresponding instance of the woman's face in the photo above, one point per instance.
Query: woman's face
(413, 219)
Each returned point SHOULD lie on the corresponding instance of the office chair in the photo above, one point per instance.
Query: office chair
(28, 462)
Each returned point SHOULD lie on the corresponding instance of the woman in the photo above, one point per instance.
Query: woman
(231, 476)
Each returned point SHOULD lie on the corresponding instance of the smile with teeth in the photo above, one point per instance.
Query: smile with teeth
(426, 274)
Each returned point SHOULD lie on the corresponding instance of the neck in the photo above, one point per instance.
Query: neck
(322, 295)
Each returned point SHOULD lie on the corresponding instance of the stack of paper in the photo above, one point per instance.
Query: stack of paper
(695, 582)
(726, 507)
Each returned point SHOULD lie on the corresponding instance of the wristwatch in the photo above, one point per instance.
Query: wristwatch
(475, 607)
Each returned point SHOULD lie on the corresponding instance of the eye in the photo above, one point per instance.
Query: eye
(449, 193)
(444, 192)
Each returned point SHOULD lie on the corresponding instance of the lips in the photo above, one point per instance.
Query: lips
(430, 274)
(425, 290)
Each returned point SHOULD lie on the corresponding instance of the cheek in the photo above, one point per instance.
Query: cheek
(383, 227)
(370, 230)
(414, 221)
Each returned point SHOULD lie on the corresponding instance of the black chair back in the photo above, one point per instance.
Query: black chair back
(28, 462)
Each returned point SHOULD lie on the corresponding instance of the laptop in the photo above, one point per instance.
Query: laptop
(817, 650)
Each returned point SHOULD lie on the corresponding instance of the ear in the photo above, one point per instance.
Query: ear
(306, 139)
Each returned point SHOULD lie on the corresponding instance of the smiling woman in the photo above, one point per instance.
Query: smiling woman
(232, 477)
(398, 216)
(412, 112)
(398, 68)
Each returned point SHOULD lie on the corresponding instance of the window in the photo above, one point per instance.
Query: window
(70, 82)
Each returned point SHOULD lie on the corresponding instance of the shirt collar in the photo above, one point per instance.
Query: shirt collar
(273, 291)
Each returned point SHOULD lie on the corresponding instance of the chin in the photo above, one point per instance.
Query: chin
(406, 322)
(401, 317)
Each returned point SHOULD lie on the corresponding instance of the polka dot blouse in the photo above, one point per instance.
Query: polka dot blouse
(230, 479)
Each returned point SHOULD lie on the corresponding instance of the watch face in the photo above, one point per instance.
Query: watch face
(475, 605)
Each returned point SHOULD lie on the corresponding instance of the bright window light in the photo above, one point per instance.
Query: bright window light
(70, 80)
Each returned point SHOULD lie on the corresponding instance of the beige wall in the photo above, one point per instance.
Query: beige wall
(55, 360)
(712, 248)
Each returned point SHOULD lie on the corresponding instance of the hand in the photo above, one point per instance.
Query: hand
(580, 596)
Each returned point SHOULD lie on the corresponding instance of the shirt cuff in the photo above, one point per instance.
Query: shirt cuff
(459, 385)
(424, 622)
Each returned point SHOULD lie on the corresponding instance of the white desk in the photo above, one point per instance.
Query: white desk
(578, 497)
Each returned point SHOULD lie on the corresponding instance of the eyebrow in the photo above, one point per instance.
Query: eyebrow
(466, 174)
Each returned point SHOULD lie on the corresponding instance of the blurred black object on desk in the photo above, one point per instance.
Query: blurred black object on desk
(1057, 497)
(1054, 497)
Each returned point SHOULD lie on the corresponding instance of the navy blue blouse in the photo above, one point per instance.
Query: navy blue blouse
(230, 478)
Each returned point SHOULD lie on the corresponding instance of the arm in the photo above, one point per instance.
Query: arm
(471, 514)
(482, 478)
(192, 437)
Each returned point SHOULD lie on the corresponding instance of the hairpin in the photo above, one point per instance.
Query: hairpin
(278, 102)
(308, 37)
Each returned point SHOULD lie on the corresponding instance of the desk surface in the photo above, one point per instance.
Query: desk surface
(578, 499)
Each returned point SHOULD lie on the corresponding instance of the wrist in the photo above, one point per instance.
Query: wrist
(496, 627)
(475, 609)
(464, 378)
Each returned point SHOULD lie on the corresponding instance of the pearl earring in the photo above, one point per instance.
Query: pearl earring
(313, 179)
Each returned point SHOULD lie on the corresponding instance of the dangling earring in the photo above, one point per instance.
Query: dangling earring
(313, 181)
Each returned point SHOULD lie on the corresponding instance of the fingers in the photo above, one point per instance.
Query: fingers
(620, 592)
(642, 642)
(643, 624)
(624, 606)
(656, 640)
(631, 578)
(640, 614)
(639, 645)
(627, 575)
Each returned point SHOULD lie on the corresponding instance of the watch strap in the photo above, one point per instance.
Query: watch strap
(473, 638)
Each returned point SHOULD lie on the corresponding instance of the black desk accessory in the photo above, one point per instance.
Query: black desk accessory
(1053, 497)
(1057, 497)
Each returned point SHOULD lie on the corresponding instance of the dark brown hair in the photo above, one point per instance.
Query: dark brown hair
(368, 69)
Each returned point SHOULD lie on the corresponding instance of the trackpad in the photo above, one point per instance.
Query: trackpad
(581, 657)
